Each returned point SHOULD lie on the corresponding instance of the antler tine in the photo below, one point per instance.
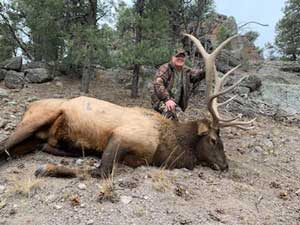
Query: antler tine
(212, 97)
(238, 124)
(228, 100)
(200, 47)
(230, 72)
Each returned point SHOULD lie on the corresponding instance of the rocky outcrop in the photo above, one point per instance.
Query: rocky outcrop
(35, 72)
(12, 64)
(273, 92)
(240, 49)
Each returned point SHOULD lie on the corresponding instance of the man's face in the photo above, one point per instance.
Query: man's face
(179, 60)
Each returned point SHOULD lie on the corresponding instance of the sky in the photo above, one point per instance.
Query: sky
(262, 11)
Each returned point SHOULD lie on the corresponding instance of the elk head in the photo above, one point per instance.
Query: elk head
(210, 147)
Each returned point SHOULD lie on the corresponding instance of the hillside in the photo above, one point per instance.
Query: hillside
(262, 185)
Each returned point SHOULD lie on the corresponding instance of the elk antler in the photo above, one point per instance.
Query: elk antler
(214, 84)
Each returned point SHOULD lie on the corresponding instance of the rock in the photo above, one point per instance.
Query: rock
(57, 207)
(243, 91)
(284, 96)
(2, 189)
(3, 123)
(2, 74)
(2, 203)
(90, 222)
(79, 162)
(268, 143)
(125, 199)
(51, 198)
(81, 186)
(37, 75)
(12, 64)
(252, 82)
(59, 84)
(36, 64)
(32, 99)
(297, 192)
(258, 149)
(14, 80)
(3, 93)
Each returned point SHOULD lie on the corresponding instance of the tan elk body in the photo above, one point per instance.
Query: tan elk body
(135, 136)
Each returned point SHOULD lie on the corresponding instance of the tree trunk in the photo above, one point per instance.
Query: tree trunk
(86, 73)
(135, 81)
(140, 5)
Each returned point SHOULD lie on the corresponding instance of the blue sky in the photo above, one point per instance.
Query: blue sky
(263, 11)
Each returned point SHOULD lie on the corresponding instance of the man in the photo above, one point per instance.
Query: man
(173, 84)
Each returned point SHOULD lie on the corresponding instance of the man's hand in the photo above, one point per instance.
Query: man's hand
(170, 105)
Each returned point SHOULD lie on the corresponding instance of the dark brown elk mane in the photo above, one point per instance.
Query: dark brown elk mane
(176, 148)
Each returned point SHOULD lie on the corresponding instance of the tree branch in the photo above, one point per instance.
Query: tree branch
(245, 24)
(14, 36)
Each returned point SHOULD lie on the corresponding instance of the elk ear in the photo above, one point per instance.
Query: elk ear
(203, 128)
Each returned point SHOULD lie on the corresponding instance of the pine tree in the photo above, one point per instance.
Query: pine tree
(288, 30)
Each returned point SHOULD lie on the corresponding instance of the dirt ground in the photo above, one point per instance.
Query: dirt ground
(262, 185)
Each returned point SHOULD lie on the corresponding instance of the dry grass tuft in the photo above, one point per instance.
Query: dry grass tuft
(25, 186)
(107, 191)
(160, 180)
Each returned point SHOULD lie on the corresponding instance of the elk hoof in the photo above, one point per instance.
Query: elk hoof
(41, 171)
(98, 173)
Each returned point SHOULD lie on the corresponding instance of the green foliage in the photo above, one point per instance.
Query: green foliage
(90, 42)
(42, 18)
(288, 30)
(7, 45)
(154, 48)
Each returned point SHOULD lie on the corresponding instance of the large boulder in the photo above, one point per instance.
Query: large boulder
(14, 80)
(38, 75)
(285, 96)
(12, 64)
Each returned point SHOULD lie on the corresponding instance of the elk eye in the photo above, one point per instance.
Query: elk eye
(203, 134)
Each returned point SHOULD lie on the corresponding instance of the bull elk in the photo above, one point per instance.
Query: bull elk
(135, 136)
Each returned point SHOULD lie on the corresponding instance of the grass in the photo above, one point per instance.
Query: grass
(160, 180)
(25, 186)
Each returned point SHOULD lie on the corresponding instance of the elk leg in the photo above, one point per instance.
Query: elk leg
(111, 155)
(59, 152)
(25, 147)
(53, 170)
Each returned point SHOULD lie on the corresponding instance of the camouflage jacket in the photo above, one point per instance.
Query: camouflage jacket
(164, 81)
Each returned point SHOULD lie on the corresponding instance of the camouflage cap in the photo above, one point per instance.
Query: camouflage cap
(179, 51)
